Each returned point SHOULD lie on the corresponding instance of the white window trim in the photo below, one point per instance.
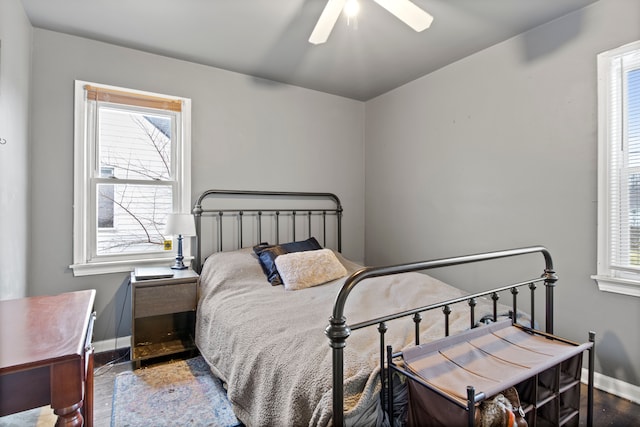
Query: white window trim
(82, 263)
(607, 278)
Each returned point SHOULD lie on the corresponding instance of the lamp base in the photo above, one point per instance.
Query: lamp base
(179, 265)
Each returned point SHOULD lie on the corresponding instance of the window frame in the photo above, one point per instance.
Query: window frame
(85, 229)
(611, 278)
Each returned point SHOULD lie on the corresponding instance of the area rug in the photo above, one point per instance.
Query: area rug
(180, 393)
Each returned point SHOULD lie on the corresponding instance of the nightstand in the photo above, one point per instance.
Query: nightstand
(163, 315)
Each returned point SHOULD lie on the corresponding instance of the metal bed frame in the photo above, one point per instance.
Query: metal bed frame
(338, 330)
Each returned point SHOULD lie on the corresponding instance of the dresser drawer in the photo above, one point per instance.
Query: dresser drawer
(158, 300)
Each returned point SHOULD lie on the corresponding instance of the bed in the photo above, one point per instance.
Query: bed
(286, 353)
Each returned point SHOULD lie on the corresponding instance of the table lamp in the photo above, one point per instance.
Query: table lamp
(179, 224)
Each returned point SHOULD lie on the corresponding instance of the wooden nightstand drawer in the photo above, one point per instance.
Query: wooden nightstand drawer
(158, 300)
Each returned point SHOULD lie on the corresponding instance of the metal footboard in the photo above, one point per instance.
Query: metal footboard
(338, 331)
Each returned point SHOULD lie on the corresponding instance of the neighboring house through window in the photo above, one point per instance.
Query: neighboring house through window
(132, 169)
(619, 170)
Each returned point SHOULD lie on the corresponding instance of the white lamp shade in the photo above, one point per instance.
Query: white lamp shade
(179, 223)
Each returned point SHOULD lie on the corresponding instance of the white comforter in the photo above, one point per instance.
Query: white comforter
(268, 344)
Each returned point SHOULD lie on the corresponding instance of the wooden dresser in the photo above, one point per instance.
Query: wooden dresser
(46, 356)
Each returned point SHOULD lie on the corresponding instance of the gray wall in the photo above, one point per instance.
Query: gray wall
(15, 68)
(246, 134)
(497, 151)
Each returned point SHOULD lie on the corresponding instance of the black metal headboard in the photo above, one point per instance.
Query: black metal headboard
(313, 208)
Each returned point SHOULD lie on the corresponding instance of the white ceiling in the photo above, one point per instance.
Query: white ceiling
(269, 38)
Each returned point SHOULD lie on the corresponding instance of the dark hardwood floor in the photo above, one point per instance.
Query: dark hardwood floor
(608, 410)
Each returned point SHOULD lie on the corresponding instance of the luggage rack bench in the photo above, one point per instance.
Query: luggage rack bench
(449, 377)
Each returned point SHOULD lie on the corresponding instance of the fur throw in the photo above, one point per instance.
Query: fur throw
(503, 410)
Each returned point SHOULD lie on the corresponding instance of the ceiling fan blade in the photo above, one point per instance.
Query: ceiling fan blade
(327, 20)
(408, 13)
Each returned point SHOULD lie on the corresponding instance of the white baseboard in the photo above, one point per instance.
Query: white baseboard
(111, 344)
(613, 386)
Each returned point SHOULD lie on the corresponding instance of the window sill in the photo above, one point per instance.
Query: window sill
(618, 286)
(95, 268)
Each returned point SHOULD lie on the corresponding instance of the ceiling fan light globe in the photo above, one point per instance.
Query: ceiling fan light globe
(351, 8)
(404, 10)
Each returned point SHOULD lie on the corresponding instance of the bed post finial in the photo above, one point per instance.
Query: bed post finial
(338, 332)
(197, 216)
(550, 279)
(339, 213)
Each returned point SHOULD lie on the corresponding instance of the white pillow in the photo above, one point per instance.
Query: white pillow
(300, 270)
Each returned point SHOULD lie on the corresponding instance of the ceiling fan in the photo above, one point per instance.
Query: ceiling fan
(404, 10)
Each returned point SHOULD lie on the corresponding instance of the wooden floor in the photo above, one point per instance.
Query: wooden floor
(608, 410)
(103, 392)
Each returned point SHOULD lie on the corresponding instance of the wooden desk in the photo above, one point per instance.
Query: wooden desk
(46, 356)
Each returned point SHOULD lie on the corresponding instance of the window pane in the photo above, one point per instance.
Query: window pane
(632, 126)
(139, 217)
(105, 201)
(135, 145)
(634, 219)
(632, 116)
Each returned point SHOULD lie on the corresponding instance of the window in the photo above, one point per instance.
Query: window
(132, 169)
(619, 170)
